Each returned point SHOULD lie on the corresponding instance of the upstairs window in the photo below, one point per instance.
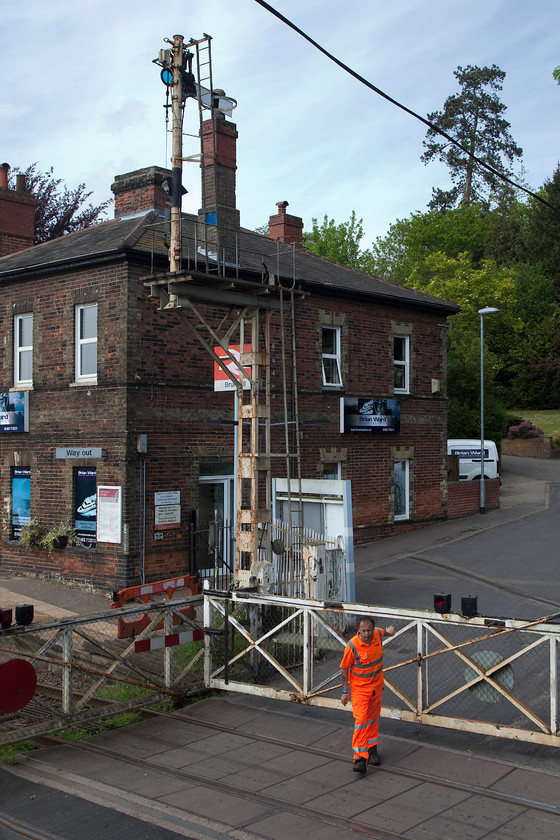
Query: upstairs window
(86, 343)
(331, 357)
(332, 469)
(401, 366)
(23, 349)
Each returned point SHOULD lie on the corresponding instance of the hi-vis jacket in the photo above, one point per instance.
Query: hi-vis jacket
(364, 662)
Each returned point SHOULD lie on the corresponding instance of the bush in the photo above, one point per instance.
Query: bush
(524, 430)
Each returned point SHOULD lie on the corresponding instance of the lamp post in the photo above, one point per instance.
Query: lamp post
(488, 310)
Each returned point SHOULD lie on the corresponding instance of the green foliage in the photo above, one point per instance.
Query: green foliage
(59, 210)
(12, 753)
(556, 74)
(338, 242)
(32, 534)
(410, 241)
(60, 536)
(474, 118)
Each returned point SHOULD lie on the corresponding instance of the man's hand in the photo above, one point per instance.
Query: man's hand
(344, 699)
(390, 630)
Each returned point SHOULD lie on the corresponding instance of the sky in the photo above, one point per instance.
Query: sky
(79, 92)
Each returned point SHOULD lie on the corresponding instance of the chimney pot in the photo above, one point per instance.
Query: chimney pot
(20, 182)
(282, 207)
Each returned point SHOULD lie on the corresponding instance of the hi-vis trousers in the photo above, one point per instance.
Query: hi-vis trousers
(366, 708)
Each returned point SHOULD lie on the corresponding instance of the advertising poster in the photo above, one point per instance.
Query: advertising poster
(14, 412)
(85, 505)
(21, 499)
(109, 514)
(371, 416)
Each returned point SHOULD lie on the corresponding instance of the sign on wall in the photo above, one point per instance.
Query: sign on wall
(21, 499)
(373, 416)
(109, 514)
(222, 382)
(85, 505)
(167, 512)
(14, 411)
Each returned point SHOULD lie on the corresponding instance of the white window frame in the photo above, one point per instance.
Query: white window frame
(398, 517)
(20, 349)
(402, 364)
(337, 469)
(331, 358)
(81, 342)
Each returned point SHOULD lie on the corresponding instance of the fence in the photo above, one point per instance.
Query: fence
(85, 672)
(304, 562)
(490, 676)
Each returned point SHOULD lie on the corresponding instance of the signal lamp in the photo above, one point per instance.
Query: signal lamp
(469, 606)
(442, 603)
(5, 619)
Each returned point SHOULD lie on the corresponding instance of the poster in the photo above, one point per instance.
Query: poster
(85, 505)
(14, 411)
(109, 514)
(372, 416)
(21, 499)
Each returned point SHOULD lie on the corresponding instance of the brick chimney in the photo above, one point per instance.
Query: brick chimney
(141, 191)
(17, 215)
(218, 167)
(288, 229)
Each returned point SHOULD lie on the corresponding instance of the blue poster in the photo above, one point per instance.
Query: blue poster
(14, 411)
(21, 499)
(85, 505)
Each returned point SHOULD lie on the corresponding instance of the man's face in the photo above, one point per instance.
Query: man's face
(365, 632)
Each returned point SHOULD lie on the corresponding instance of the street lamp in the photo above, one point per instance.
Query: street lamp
(488, 310)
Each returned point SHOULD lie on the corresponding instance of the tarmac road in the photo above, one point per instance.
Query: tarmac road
(507, 558)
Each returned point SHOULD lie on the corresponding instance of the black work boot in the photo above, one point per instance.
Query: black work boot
(360, 765)
(373, 758)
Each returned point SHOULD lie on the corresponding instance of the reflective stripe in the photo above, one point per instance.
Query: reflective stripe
(361, 725)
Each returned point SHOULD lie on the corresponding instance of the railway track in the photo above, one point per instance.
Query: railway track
(327, 817)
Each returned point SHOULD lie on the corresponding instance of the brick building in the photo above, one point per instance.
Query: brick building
(103, 388)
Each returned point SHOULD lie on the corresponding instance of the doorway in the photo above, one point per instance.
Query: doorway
(216, 527)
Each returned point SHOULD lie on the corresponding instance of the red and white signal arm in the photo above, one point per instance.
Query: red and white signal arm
(221, 380)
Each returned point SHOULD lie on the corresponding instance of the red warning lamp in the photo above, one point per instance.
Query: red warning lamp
(442, 603)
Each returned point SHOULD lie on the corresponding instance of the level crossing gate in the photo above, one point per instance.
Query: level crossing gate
(488, 676)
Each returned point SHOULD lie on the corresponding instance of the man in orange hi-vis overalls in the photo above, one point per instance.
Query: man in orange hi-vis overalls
(362, 668)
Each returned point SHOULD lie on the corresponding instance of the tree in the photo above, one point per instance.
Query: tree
(474, 119)
(337, 242)
(59, 210)
(556, 74)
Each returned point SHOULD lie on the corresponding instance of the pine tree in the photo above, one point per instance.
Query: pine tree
(474, 119)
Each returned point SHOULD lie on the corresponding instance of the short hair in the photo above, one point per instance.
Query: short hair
(367, 618)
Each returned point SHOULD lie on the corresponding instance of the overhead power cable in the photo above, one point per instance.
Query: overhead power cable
(390, 99)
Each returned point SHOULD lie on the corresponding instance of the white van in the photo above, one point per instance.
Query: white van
(468, 451)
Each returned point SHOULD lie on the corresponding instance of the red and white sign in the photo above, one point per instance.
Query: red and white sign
(168, 641)
(221, 380)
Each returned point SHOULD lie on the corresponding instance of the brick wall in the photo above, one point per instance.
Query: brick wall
(464, 497)
(154, 379)
(529, 447)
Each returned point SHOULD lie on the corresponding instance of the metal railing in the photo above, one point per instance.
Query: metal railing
(86, 670)
(490, 676)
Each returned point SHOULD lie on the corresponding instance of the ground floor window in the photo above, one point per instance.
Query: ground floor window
(400, 479)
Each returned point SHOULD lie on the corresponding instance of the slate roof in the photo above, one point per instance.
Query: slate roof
(144, 236)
